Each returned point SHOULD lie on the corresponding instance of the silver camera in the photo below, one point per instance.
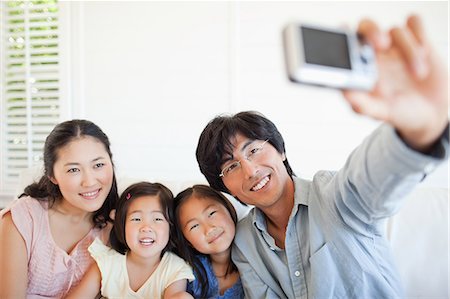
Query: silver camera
(329, 57)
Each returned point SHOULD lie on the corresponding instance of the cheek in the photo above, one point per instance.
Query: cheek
(67, 185)
(129, 232)
(166, 230)
(193, 239)
(107, 176)
(234, 187)
(229, 224)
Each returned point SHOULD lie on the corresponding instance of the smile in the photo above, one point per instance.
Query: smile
(261, 184)
(213, 239)
(146, 241)
(90, 195)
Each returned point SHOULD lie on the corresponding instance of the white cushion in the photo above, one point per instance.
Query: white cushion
(419, 235)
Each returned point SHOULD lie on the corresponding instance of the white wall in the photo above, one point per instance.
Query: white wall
(152, 74)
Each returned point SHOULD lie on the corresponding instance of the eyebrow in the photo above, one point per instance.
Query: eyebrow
(76, 163)
(246, 144)
(141, 211)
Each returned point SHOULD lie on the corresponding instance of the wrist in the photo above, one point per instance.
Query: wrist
(424, 140)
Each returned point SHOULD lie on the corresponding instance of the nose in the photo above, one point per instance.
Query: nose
(145, 228)
(248, 168)
(210, 230)
(88, 179)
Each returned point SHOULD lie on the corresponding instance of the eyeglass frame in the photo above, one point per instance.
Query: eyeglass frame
(222, 175)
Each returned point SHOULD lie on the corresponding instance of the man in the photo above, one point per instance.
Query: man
(323, 238)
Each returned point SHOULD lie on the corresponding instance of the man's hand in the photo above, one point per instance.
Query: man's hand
(412, 89)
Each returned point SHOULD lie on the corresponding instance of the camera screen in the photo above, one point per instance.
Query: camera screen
(325, 48)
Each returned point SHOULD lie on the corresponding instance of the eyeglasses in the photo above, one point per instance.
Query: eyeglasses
(235, 166)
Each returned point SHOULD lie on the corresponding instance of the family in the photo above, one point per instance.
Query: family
(70, 235)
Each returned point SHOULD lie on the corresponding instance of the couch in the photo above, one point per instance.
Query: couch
(418, 234)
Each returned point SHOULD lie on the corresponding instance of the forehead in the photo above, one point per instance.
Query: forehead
(146, 203)
(80, 149)
(237, 142)
(195, 205)
(195, 200)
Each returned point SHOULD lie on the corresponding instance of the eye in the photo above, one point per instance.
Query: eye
(255, 151)
(212, 213)
(135, 219)
(99, 165)
(73, 170)
(157, 219)
(232, 167)
(193, 227)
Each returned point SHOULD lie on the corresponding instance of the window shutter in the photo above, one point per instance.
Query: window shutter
(30, 84)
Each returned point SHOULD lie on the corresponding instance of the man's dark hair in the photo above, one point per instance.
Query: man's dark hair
(215, 142)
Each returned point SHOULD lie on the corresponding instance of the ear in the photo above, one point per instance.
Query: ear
(53, 180)
(112, 214)
(283, 157)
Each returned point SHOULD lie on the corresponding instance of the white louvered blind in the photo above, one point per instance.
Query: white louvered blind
(30, 84)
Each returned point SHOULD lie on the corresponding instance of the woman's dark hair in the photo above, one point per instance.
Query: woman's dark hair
(60, 136)
(184, 248)
(165, 196)
(215, 142)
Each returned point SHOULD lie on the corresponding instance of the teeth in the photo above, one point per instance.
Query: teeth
(261, 184)
(89, 194)
(147, 241)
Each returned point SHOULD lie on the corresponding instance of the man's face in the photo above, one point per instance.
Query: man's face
(255, 173)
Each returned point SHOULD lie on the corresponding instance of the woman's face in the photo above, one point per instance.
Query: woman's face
(84, 173)
(207, 225)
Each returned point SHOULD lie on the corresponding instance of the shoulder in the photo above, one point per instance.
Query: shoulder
(99, 250)
(203, 262)
(322, 178)
(246, 227)
(28, 215)
(25, 205)
(173, 268)
(247, 222)
(172, 259)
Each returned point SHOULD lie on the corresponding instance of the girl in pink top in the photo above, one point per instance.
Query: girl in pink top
(46, 232)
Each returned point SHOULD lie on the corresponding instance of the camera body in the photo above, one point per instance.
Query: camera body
(329, 57)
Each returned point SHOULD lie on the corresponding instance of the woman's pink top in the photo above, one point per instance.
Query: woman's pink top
(51, 271)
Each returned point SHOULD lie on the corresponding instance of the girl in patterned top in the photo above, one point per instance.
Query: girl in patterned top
(205, 223)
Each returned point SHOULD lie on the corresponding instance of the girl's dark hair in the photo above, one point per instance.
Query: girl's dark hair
(215, 142)
(184, 249)
(60, 136)
(165, 196)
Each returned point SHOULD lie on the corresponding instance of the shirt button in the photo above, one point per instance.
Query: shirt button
(297, 273)
(429, 168)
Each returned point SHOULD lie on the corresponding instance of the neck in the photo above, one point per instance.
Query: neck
(140, 268)
(148, 263)
(71, 213)
(221, 262)
(278, 214)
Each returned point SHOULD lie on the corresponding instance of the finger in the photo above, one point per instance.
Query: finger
(367, 104)
(411, 50)
(415, 24)
(372, 33)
